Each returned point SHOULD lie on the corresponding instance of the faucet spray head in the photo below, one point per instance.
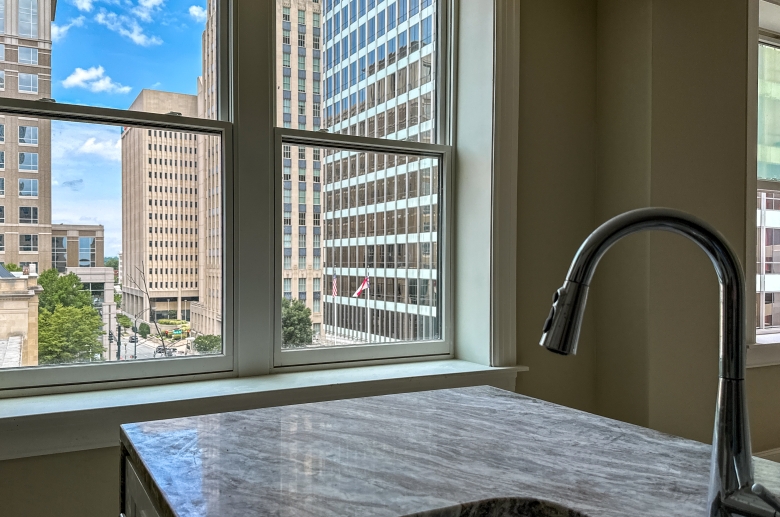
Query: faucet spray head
(562, 329)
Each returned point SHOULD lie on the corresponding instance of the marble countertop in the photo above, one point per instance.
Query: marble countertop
(402, 454)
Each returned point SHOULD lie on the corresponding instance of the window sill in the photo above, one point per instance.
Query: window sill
(51, 424)
(763, 355)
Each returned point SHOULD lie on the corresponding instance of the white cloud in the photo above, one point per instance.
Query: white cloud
(108, 149)
(58, 32)
(98, 199)
(198, 13)
(145, 8)
(127, 27)
(94, 80)
(83, 5)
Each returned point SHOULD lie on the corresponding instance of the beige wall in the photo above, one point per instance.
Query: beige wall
(74, 484)
(643, 103)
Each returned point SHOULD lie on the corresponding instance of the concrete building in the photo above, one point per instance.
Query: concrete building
(301, 220)
(381, 210)
(19, 321)
(160, 213)
(25, 143)
(207, 311)
(79, 249)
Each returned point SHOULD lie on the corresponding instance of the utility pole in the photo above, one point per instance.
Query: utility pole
(118, 341)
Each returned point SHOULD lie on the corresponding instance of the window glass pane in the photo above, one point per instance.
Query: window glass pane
(105, 53)
(377, 80)
(373, 248)
(768, 201)
(125, 225)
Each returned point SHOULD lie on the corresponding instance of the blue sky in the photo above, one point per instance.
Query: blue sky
(104, 53)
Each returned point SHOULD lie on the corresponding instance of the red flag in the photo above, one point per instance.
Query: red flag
(363, 286)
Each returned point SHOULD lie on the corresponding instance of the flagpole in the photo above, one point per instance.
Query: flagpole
(368, 309)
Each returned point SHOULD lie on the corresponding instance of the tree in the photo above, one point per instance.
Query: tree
(12, 268)
(112, 262)
(69, 335)
(144, 330)
(208, 344)
(118, 300)
(65, 291)
(296, 323)
(124, 321)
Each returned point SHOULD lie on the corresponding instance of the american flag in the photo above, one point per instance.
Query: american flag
(335, 285)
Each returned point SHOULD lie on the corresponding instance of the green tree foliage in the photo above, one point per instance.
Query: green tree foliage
(69, 335)
(118, 300)
(296, 323)
(65, 290)
(12, 268)
(112, 262)
(124, 321)
(208, 344)
(144, 330)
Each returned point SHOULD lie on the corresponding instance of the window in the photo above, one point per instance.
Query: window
(28, 18)
(286, 107)
(315, 64)
(287, 198)
(301, 174)
(28, 242)
(286, 36)
(301, 17)
(286, 59)
(301, 39)
(28, 214)
(2, 159)
(286, 153)
(302, 265)
(28, 135)
(315, 21)
(301, 240)
(302, 218)
(316, 42)
(287, 218)
(301, 85)
(27, 56)
(287, 287)
(28, 161)
(286, 14)
(2, 242)
(59, 253)
(301, 107)
(302, 197)
(316, 110)
(28, 83)
(87, 252)
(286, 83)
(302, 62)
(287, 240)
(2, 186)
(28, 188)
(301, 153)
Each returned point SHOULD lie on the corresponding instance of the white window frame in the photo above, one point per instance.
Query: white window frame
(33, 53)
(471, 329)
(87, 377)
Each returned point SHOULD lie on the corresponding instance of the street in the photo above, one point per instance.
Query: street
(145, 349)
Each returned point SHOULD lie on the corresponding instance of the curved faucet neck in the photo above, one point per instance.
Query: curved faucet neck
(732, 282)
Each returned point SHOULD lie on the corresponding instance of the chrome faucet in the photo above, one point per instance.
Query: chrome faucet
(732, 490)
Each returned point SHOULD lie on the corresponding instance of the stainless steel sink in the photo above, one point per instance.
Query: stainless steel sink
(503, 507)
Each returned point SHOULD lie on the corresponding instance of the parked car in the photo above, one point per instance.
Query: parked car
(134, 339)
(160, 350)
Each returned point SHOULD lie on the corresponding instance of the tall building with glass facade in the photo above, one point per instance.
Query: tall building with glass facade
(25, 143)
(381, 210)
(768, 197)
